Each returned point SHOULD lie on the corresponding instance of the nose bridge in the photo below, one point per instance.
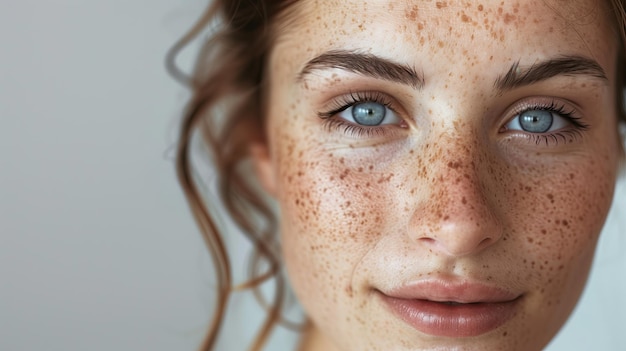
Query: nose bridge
(457, 216)
(459, 192)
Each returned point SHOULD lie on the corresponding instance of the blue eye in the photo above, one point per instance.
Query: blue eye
(537, 121)
(369, 114)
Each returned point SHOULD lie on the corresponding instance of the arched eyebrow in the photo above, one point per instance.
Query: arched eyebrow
(364, 64)
(563, 65)
(374, 66)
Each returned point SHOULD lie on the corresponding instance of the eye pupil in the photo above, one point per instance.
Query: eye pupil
(536, 121)
(368, 113)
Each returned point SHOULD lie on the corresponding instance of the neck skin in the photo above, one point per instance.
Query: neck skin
(314, 340)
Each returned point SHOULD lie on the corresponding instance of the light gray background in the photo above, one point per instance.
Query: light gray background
(97, 248)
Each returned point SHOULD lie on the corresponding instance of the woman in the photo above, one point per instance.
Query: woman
(442, 169)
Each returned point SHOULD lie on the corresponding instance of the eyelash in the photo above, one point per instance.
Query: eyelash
(577, 125)
(344, 102)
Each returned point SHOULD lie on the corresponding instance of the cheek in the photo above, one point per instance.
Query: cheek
(562, 206)
(331, 216)
(557, 214)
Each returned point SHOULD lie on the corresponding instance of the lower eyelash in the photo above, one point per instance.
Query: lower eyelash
(352, 129)
(565, 136)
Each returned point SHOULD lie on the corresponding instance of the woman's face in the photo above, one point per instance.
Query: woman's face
(443, 168)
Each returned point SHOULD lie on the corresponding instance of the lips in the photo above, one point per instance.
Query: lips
(452, 308)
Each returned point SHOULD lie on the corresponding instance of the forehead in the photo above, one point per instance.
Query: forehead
(422, 33)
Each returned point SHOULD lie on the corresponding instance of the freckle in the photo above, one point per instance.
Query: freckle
(441, 4)
(412, 15)
(454, 165)
(480, 7)
(508, 18)
(441, 44)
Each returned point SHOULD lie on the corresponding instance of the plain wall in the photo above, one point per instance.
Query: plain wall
(98, 250)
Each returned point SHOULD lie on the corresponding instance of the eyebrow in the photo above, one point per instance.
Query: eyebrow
(516, 77)
(364, 64)
(563, 65)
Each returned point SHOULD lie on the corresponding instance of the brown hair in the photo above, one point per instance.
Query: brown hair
(226, 111)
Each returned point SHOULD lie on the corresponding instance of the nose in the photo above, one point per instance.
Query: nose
(459, 217)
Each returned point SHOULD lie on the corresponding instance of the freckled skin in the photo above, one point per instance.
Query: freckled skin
(449, 192)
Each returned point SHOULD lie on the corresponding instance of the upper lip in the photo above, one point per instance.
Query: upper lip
(452, 290)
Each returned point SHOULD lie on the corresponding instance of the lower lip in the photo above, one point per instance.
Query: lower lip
(446, 320)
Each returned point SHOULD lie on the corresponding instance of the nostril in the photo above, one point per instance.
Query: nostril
(428, 241)
(485, 242)
(457, 238)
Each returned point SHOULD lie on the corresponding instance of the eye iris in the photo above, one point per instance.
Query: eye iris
(536, 121)
(368, 113)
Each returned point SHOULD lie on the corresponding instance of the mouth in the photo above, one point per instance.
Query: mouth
(446, 309)
(451, 303)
